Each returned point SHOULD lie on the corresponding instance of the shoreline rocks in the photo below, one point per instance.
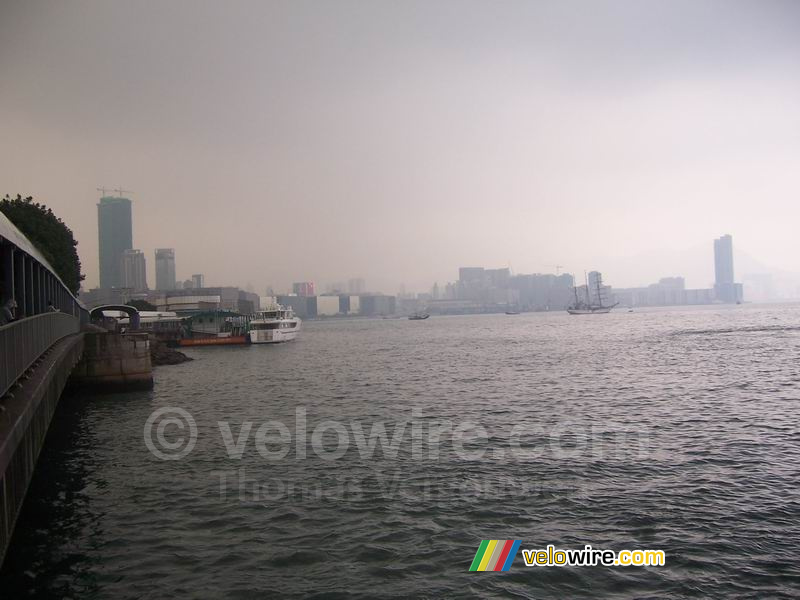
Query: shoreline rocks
(161, 354)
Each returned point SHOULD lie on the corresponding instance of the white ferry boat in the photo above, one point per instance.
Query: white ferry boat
(274, 325)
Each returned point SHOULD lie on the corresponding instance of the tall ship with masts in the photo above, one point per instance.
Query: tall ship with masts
(593, 301)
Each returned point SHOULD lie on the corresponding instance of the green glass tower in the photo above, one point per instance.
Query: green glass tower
(115, 228)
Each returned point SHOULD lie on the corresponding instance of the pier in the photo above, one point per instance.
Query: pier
(48, 339)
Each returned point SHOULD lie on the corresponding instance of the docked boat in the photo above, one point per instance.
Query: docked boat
(274, 325)
(597, 305)
(418, 317)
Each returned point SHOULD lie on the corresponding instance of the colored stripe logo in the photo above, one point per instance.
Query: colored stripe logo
(495, 555)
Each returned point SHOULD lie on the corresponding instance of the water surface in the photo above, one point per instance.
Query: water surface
(670, 429)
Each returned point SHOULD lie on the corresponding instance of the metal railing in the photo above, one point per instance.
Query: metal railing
(24, 341)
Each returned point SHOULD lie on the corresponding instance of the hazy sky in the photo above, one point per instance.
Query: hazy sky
(272, 142)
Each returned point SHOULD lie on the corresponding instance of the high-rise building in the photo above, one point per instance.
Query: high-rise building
(377, 305)
(165, 269)
(356, 286)
(471, 274)
(198, 281)
(134, 270)
(725, 289)
(723, 259)
(337, 287)
(673, 283)
(304, 288)
(115, 228)
(498, 277)
(304, 307)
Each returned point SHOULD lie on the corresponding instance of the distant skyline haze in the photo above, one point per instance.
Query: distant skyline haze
(278, 142)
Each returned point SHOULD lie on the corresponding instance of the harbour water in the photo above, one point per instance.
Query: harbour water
(660, 429)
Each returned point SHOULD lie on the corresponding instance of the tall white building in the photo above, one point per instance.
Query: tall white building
(134, 270)
(725, 288)
(165, 269)
(356, 286)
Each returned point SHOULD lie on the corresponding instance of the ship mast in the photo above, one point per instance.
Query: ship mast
(588, 295)
(599, 296)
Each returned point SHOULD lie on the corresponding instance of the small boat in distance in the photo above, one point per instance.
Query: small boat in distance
(512, 312)
(418, 317)
(274, 325)
(591, 306)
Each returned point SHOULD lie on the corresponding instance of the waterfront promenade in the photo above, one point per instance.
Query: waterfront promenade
(40, 344)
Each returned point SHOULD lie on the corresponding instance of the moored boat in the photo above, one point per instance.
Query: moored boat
(213, 341)
(274, 325)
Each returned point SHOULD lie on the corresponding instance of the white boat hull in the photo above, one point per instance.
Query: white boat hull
(590, 311)
(273, 336)
(273, 326)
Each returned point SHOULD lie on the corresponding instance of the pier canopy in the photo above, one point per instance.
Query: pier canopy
(131, 311)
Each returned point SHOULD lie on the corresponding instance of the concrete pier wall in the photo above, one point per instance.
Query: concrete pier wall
(24, 423)
(98, 361)
(114, 362)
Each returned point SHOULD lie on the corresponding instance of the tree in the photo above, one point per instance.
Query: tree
(48, 234)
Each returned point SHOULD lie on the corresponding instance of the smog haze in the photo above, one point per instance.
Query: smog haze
(271, 142)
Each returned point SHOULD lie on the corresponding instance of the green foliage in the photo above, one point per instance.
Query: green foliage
(141, 305)
(49, 234)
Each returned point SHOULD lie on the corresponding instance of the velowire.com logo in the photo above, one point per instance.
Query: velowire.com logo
(498, 555)
(495, 555)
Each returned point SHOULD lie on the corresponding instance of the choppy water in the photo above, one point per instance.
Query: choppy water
(668, 429)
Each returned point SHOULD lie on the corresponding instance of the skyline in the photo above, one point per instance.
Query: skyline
(176, 283)
(753, 267)
(399, 142)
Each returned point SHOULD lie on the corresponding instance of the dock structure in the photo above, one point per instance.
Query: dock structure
(43, 339)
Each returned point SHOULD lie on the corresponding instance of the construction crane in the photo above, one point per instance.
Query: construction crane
(119, 190)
